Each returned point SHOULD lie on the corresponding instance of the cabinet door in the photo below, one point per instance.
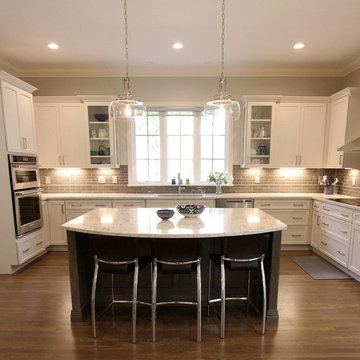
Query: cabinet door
(313, 119)
(46, 233)
(73, 135)
(285, 135)
(56, 211)
(337, 129)
(11, 117)
(72, 214)
(47, 133)
(26, 121)
(315, 229)
(354, 259)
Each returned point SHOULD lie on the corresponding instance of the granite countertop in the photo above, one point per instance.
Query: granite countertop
(143, 222)
(119, 196)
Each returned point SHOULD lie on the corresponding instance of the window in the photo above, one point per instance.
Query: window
(171, 141)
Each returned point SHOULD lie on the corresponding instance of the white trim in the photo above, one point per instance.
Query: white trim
(11, 79)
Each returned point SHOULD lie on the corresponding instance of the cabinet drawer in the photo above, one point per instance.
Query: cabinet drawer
(339, 212)
(336, 226)
(334, 248)
(281, 204)
(129, 203)
(317, 205)
(30, 245)
(291, 217)
(295, 235)
(87, 204)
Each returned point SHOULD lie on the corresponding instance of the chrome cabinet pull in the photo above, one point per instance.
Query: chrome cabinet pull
(99, 205)
(341, 253)
(344, 215)
(340, 159)
(324, 243)
(39, 243)
(296, 235)
(326, 224)
(265, 204)
(297, 217)
(26, 250)
(343, 231)
(298, 204)
(326, 209)
(62, 208)
(318, 220)
(296, 161)
(75, 205)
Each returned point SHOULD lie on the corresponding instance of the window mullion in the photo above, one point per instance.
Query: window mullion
(163, 150)
(197, 149)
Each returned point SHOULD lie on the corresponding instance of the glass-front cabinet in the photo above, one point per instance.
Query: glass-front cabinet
(100, 126)
(259, 117)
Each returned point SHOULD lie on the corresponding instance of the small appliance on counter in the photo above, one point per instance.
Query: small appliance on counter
(26, 193)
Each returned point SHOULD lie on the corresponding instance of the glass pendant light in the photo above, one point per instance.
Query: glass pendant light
(126, 105)
(222, 105)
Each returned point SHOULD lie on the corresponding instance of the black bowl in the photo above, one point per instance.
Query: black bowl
(165, 214)
(101, 117)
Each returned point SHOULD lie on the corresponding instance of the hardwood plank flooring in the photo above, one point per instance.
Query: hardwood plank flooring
(319, 319)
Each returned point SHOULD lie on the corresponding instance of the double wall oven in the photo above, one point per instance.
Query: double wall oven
(26, 193)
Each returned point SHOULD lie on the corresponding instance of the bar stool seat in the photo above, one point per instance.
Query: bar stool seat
(116, 256)
(176, 256)
(240, 253)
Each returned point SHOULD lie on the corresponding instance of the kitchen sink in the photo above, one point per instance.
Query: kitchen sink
(179, 195)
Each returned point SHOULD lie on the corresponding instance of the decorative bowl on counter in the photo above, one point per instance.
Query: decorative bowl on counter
(165, 214)
(101, 117)
(190, 210)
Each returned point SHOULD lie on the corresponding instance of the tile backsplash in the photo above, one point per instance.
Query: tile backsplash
(271, 181)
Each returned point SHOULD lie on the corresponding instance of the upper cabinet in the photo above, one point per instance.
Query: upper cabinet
(337, 131)
(18, 113)
(298, 135)
(100, 134)
(62, 134)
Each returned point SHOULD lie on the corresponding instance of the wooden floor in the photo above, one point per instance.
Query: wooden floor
(319, 319)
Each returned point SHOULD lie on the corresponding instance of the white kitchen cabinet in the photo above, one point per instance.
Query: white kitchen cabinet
(18, 114)
(354, 258)
(135, 203)
(337, 132)
(298, 135)
(292, 212)
(45, 228)
(30, 245)
(75, 208)
(315, 229)
(56, 209)
(62, 135)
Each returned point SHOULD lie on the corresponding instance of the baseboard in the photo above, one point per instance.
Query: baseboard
(286, 247)
(57, 248)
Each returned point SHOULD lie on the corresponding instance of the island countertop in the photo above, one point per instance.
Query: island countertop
(143, 222)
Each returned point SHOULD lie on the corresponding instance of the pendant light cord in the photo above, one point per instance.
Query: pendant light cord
(222, 39)
(126, 40)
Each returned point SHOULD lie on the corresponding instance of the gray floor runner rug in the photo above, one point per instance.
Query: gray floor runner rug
(319, 269)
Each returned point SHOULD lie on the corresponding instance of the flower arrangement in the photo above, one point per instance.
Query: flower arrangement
(220, 178)
(329, 183)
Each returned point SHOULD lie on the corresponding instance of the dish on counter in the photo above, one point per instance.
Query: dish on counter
(190, 210)
(165, 214)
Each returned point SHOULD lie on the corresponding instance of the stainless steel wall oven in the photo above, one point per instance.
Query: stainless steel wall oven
(26, 193)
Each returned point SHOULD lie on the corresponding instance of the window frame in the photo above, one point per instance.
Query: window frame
(164, 179)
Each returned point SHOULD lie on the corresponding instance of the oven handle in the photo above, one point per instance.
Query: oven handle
(26, 166)
(29, 192)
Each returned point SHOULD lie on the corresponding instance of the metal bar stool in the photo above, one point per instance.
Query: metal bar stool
(240, 253)
(116, 256)
(176, 256)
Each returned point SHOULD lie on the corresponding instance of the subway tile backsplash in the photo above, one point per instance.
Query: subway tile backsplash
(271, 181)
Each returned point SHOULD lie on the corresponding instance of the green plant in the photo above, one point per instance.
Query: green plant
(220, 178)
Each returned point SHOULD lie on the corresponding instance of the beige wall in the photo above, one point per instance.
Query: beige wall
(186, 89)
(353, 79)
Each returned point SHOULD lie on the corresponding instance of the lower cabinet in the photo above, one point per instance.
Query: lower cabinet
(335, 248)
(354, 257)
(134, 203)
(294, 213)
(30, 245)
(315, 229)
(56, 209)
(171, 203)
(75, 208)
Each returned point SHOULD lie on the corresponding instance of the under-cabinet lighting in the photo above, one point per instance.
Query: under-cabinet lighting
(177, 45)
(69, 172)
(255, 171)
(53, 46)
(298, 46)
(290, 172)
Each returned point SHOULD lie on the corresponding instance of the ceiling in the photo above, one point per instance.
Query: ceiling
(260, 35)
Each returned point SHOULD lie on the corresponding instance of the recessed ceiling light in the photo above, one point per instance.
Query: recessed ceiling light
(299, 46)
(53, 46)
(177, 45)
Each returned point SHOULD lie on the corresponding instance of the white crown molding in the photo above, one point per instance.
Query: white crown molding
(352, 66)
(11, 79)
(202, 71)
